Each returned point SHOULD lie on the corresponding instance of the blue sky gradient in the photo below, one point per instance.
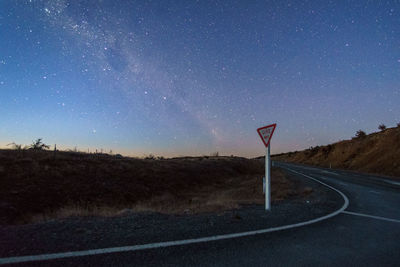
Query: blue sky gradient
(194, 77)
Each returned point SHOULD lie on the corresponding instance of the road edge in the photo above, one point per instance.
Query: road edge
(91, 252)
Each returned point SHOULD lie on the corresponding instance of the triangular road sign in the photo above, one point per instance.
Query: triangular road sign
(266, 133)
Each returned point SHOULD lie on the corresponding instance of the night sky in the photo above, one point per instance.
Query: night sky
(177, 78)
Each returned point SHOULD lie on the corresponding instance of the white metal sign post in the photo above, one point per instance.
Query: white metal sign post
(266, 133)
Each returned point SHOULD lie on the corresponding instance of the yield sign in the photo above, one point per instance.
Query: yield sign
(266, 133)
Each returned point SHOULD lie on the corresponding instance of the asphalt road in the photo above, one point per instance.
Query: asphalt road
(367, 233)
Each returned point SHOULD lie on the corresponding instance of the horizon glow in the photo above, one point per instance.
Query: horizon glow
(174, 78)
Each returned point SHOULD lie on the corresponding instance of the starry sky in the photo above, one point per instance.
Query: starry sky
(174, 78)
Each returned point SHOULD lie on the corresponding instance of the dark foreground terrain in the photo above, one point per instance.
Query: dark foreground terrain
(136, 228)
(360, 226)
(41, 185)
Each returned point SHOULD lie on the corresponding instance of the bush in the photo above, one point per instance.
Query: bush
(382, 127)
(360, 134)
(398, 124)
(150, 156)
(327, 149)
(38, 145)
(16, 146)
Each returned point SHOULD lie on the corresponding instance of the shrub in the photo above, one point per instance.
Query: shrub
(150, 156)
(314, 149)
(360, 134)
(38, 145)
(382, 127)
(16, 146)
(327, 149)
(398, 124)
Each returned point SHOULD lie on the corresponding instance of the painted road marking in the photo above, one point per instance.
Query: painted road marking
(330, 172)
(336, 181)
(325, 178)
(375, 192)
(392, 182)
(371, 216)
(346, 200)
(90, 252)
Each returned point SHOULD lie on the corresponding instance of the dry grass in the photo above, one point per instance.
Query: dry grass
(234, 193)
(375, 153)
(72, 211)
(35, 186)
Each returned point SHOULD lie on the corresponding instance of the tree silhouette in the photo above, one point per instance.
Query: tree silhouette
(38, 145)
(360, 134)
(382, 127)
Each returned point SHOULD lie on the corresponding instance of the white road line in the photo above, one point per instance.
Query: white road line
(371, 216)
(61, 255)
(374, 192)
(346, 200)
(330, 172)
(392, 182)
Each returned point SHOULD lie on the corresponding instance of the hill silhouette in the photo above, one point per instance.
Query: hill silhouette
(377, 152)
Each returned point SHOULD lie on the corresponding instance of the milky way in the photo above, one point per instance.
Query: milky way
(195, 77)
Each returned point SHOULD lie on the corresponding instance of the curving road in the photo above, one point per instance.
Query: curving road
(366, 232)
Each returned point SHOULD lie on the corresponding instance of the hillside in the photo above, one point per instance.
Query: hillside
(375, 153)
(37, 185)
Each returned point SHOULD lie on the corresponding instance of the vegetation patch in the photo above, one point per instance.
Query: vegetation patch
(373, 153)
(37, 184)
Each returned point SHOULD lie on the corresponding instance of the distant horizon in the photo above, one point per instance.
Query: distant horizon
(143, 154)
(176, 78)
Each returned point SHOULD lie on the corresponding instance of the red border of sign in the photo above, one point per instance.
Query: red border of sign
(273, 130)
